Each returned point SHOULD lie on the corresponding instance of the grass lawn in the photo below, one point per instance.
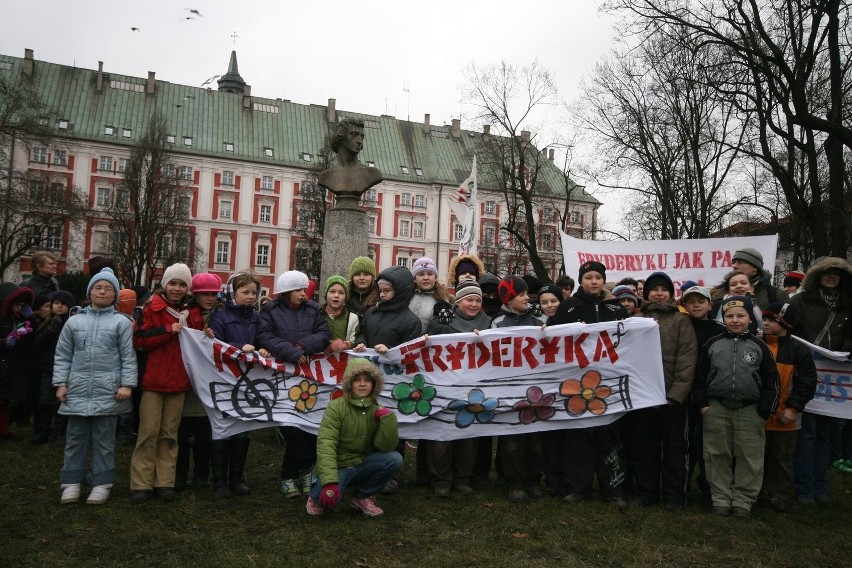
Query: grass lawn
(264, 529)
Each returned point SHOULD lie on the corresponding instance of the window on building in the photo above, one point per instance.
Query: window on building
(170, 138)
(575, 217)
(405, 199)
(306, 157)
(100, 241)
(269, 152)
(103, 197)
(403, 228)
(227, 178)
(371, 164)
(229, 147)
(262, 257)
(402, 261)
(225, 210)
(266, 182)
(186, 172)
(458, 231)
(182, 246)
(60, 158)
(187, 141)
(547, 241)
(490, 207)
(169, 170)
(122, 198)
(404, 169)
(547, 214)
(418, 229)
(123, 164)
(371, 195)
(109, 130)
(126, 133)
(420, 200)
(184, 206)
(371, 224)
(63, 124)
(418, 172)
(164, 250)
(54, 236)
(105, 164)
(37, 189)
(265, 213)
(40, 155)
(223, 252)
(57, 192)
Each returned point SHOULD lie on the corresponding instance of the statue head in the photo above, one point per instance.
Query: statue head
(342, 131)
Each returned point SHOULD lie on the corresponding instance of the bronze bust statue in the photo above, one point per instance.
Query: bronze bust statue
(348, 177)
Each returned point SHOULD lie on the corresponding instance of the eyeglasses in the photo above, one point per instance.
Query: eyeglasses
(106, 288)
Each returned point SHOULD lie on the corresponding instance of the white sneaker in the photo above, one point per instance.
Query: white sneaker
(99, 494)
(70, 493)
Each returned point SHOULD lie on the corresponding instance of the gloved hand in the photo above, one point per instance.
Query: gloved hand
(330, 495)
(443, 311)
(381, 412)
(535, 309)
(25, 330)
(11, 339)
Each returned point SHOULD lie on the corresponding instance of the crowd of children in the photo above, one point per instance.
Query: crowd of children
(736, 384)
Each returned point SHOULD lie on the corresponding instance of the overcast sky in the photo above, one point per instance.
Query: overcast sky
(363, 53)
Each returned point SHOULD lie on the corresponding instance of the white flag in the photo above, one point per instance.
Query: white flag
(463, 206)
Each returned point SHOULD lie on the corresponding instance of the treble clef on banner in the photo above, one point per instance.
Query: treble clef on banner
(253, 398)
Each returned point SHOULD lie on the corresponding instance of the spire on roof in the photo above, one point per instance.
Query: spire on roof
(232, 82)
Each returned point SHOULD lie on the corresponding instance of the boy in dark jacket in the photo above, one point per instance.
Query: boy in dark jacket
(736, 389)
(45, 343)
(797, 373)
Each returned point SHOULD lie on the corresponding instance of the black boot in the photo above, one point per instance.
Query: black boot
(219, 463)
(41, 426)
(182, 464)
(239, 451)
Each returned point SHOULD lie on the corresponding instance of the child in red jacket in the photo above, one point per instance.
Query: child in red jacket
(164, 386)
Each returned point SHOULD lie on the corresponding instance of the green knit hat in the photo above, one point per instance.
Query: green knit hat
(362, 264)
(336, 279)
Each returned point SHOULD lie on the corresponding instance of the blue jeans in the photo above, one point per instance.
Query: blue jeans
(370, 476)
(813, 455)
(99, 432)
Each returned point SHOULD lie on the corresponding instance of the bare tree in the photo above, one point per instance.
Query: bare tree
(508, 99)
(311, 204)
(38, 207)
(150, 214)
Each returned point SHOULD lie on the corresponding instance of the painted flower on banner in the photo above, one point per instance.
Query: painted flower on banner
(585, 395)
(537, 406)
(416, 396)
(304, 395)
(476, 407)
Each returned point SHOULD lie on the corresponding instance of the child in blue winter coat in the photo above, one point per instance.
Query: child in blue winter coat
(94, 374)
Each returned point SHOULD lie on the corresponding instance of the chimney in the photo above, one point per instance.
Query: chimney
(550, 155)
(331, 111)
(525, 135)
(247, 97)
(427, 124)
(150, 86)
(99, 85)
(455, 130)
(486, 132)
(29, 64)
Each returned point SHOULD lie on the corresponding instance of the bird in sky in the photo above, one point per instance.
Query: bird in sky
(194, 11)
(135, 30)
(210, 80)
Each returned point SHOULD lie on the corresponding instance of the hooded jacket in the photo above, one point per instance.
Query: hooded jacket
(797, 373)
(818, 323)
(17, 365)
(391, 323)
(94, 357)
(288, 332)
(235, 324)
(678, 344)
(349, 430)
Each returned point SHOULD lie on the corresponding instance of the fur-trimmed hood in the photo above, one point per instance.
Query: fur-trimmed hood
(454, 262)
(810, 285)
(360, 365)
(19, 294)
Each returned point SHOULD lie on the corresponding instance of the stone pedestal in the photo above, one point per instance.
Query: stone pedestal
(345, 237)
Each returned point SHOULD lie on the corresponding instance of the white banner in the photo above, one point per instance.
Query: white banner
(705, 261)
(446, 387)
(833, 395)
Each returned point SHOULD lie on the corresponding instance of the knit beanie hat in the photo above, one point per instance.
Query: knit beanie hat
(794, 278)
(592, 266)
(551, 289)
(291, 280)
(751, 256)
(738, 302)
(362, 264)
(658, 279)
(783, 313)
(108, 275)
(510, 287)
(63, 296)
(39, 300)
(336, 279)
(126, 301)
(177, 271)
(468, 289)
(687, 285)
(533, 283)
(625, 291)
(423, 264)
(206, 282)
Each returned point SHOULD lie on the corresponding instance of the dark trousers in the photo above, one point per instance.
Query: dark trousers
(300, 453)
(194, 436)
(450, 463)
(520, 455)
(593, 451)
(659, 448)
(778, 464)
(696, 451)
